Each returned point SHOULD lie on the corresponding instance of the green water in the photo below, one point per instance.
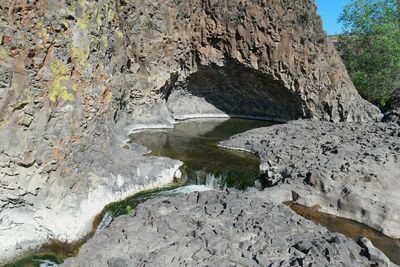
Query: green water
(195, 143)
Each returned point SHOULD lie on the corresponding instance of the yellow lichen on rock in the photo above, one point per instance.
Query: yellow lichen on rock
(88, 12)
(109, 97)
(119, 34)
(57, 89)
(43, 33)
(82, 23)
(59, 68)
(99, 20)
(80, 56)
(3, 53)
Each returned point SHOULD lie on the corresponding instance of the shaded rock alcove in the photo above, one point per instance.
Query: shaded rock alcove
(235, 91)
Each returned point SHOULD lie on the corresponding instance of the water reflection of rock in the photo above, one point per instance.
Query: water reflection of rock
(195, 143)
(156, 140)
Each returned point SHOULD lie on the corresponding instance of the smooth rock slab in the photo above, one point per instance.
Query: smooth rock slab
(216, 229)
(350, 170)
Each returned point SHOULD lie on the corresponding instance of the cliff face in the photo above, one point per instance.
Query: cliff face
(253, 58)
(62, 86)
(394, 114)
(77, 75)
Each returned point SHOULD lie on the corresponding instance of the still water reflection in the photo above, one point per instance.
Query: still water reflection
(195, 143)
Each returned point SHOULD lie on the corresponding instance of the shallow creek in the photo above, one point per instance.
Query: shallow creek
(206, 167)
(195, 142)
(352, 229)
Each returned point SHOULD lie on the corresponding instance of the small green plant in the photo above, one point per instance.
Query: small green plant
(128, 209)
(305, 16)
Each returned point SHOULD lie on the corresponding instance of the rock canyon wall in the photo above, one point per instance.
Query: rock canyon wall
(76, 76)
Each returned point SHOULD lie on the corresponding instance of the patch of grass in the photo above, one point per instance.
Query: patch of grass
(35, 260)
(54, 251)
(305, 16)
(127, 205)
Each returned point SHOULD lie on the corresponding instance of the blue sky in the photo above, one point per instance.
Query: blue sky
(330, 11)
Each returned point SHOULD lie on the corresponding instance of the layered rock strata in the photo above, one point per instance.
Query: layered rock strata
(218, 229)
(349, 170)
(77, 76)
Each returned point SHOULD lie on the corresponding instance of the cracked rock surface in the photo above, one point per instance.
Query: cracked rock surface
(217, 229)
(350, 170)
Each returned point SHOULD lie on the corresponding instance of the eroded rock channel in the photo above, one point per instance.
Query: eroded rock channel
(195, 143)
(208, 167)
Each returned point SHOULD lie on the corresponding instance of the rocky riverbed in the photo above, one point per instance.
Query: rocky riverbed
(218, 229)
(349, 170)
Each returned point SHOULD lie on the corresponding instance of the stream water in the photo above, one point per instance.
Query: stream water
(195, 143)
(206, 166)
(352, 229)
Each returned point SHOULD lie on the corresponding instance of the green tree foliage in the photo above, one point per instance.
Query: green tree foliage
(370, 47)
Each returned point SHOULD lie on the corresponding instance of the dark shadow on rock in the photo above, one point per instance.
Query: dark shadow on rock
(238, 91)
